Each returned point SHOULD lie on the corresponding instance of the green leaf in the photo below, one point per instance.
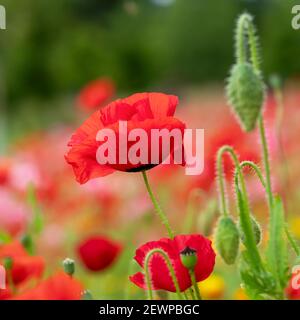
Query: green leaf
(256, 282)
(277, 253)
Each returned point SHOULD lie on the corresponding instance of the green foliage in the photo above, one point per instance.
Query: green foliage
(257, 282)
(256, 230)
(227, 239)
(277, 254)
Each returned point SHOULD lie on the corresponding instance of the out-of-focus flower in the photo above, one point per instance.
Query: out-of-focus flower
(212, 288)
(145, 111)
(295, 226)
(4, 170)
(240, 294)
(95, 94)
(58, 287)
(293, 289)
(13, 214)
(24, 266)
(160, 275)
(98, 253)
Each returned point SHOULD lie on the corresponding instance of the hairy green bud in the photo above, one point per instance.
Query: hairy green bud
(245, 93)
(256, 229)
(227, 239)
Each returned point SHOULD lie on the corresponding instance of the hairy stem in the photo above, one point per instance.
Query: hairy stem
(157, 207)
(166, 258)
(245, 214)
(195, 285)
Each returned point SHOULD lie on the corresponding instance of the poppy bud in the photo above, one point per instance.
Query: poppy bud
(245, 93)
(188, 258)
(69, 266)
(256, 229)
(227, 239)
(86, 295)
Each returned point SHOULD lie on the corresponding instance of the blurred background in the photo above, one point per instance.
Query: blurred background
(52, 49)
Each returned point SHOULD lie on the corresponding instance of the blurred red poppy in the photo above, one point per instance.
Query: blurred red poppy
(160, 275)
(145, 111)
(58, 287)
(293, 289)
(98, 253)
(24, 266)
(95, 94)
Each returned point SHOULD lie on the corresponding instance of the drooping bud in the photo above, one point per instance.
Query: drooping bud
(245, 93)
(256, 230)
(189, 258)
(227, 239)
(69, 266)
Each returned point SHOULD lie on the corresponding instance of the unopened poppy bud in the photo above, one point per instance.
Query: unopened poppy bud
(8, 263)
(69, 266)
(245, 93)
(227, 239)
(256, 229)
(86, 295)
(188, 257)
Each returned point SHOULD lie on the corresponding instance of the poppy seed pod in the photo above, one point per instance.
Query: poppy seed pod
(69, 266)
(245, 93)
(188, 257)
(227, 239)
(256, 229)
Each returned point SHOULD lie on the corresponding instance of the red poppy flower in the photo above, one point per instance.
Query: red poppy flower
(24, 266)
(95, 94)
(58, 287)
(161, 279)
(145, 111)
(98, 253)
(293, 289)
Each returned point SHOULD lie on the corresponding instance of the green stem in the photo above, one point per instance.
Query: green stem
(195, 285)
(223, 204)
(257, 170)
(241, 50)
(245, 214)
(247, 22)
(157, 207)
(185, 295)
(266, 162)
(192, 294)
(170, 268)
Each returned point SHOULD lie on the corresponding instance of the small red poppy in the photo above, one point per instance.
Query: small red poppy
(98, 253)
(24, 266)
(293, 289)
(95, 94)
(145, 111)
(160, 275)
(58, 287)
